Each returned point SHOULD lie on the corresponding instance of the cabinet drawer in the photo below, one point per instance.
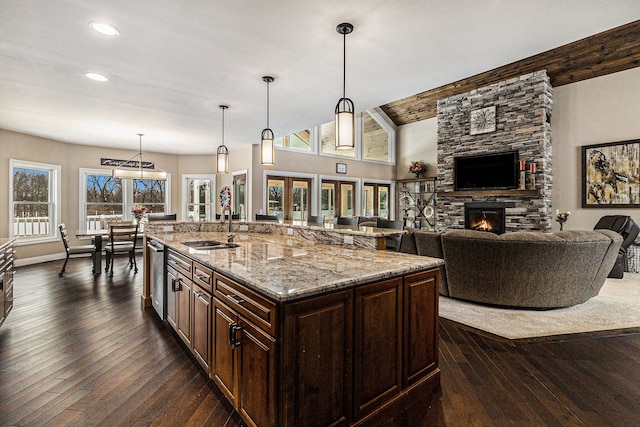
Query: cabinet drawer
(203, 276)
(180, 263)
(247, 303)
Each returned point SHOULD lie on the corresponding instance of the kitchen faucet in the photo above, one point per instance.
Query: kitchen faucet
(230, 235)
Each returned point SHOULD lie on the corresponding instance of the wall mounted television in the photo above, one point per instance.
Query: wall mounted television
(497, 171)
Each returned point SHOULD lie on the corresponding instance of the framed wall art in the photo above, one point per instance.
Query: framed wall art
(341, 168)
(611, 175)
(482, 120)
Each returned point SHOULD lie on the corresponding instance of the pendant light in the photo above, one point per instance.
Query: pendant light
(222, 156)
(267, 149)
(345, 133)
(140, 173)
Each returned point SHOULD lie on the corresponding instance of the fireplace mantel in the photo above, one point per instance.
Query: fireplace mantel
(513, 193)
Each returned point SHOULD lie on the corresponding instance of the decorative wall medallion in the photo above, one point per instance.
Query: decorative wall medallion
(482, 120)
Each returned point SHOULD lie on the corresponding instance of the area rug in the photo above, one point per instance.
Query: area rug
(616, 308)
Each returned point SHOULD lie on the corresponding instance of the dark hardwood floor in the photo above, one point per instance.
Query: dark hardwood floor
(80, 351)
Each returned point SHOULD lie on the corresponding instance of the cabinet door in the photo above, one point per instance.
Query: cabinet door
(317, 374)
(171, 298)
(255, 361)
(420, 325)
(377, 344)
(201, 321)
(222, 368)
(183, 300)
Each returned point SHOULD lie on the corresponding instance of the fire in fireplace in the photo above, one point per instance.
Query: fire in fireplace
(484, 216)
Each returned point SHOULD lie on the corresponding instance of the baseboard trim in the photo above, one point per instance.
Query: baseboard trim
(44, 258)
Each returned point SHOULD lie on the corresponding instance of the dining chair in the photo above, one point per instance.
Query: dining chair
(347, 220)
(74, 250)
(161, 217)
(269, 218)
(233, 216)
(313, 219)
(122, 239)
(393, 242)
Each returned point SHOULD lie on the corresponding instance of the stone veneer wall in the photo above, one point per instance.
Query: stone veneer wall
(523, 123)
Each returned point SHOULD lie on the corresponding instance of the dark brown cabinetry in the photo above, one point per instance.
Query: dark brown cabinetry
(343, 358)
(244, 361)
(189, 304)
(6, 280)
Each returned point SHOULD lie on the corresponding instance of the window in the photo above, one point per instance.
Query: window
(239, 195)
(328, 141)
(376, 199)
(105, 199)
(289, 197)
(35, 201)
(338, 198)
(198, 195)
(377, 136)
(298, 141)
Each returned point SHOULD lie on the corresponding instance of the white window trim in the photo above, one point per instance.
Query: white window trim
(357, 188)
(247, 192)
(55, 187)
(314, 184)
(127, 193)
(392, 196)
(385, 122)
(185, 194)
(313, 139)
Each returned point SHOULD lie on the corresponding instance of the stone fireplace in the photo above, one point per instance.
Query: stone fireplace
(483, 216)
(522, 124)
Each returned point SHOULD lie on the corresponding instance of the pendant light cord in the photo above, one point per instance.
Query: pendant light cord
(223, 108)
(268, 104)
(344, 64)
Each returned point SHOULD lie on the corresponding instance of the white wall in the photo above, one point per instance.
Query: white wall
(600, 110)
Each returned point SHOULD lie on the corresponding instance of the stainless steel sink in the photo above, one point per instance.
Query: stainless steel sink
(210, 245)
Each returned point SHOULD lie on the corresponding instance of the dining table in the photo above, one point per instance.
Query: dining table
(96, 238)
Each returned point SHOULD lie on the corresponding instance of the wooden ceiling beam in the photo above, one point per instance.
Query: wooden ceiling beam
(604, 53)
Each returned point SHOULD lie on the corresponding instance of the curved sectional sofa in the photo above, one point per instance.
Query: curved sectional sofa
(520, 269)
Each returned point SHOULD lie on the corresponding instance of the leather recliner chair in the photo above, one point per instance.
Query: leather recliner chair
(628, 229)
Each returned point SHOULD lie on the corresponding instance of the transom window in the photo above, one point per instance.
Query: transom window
(298, 141)
(34, 201)
(328, 141)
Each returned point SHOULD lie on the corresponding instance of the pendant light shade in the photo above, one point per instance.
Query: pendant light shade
(345, 126)
(267, 148)
(222, 156)
(140, 172)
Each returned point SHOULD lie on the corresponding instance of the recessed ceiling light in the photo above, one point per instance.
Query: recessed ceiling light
(97, 77)
(104, 28)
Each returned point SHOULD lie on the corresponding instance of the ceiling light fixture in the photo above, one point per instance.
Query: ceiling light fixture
(222, 156)
(140, 173)
(345, 133)
(104, 28)
(96, 77)
(267, 148)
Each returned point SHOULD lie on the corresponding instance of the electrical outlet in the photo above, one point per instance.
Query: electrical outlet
(167, 228)
(290, 231)
(244, 227)
(348, 240)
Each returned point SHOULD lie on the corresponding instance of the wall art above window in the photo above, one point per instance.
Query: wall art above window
(482, 120)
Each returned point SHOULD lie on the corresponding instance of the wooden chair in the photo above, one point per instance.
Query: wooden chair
(269, 218)
(122, 239)
(74, 250)
(226, 217)
(312, 219)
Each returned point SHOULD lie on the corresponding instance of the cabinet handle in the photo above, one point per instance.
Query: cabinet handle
(235, 299)
(175, 288)
(231, 325)
(203, 277)
(236, 343)
(173, 285)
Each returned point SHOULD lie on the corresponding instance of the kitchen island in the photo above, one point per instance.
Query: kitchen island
(297, 332)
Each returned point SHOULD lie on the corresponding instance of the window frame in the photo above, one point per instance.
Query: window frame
(357, 189)
(185, 191)
(313, 139)
(392, 195)
(127, 193)
(313, 187)
(383, 120)
(54, 196)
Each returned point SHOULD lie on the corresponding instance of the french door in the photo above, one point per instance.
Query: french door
(338, 198)
(288, 197)
(376, 199)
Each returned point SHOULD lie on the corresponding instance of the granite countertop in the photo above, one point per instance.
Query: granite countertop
(286, 268)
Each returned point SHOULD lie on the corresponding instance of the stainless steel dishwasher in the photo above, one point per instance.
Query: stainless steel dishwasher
(157, 277)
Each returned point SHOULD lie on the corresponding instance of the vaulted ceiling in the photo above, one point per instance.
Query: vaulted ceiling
(176, 61)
